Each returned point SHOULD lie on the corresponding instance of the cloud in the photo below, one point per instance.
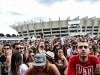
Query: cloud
(73, 9)
(19, 10)
(15, 11)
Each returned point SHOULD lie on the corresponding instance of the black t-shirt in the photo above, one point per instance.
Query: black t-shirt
(4, 67)
(60, 66)
(2, 59)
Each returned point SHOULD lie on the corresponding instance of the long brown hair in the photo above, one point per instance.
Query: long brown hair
(16, 61)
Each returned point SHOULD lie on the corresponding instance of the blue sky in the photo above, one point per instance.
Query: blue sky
(18, 11)
(49, 2)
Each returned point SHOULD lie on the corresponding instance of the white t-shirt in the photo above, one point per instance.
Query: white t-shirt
(69, 51)
(22, 69)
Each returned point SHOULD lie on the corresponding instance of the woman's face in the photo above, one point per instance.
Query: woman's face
(60, 53)
(31, 57)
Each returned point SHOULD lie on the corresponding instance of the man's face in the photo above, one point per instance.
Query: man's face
(46, 44)
(35, 44)
(74, 46)
(90, 42)
(19, 48)
(98, 44)
(42, 44)
(7, 50)
(83, 49)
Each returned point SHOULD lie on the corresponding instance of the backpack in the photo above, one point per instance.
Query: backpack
(3, 69)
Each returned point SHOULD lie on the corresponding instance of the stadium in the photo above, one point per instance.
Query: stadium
(60, 28)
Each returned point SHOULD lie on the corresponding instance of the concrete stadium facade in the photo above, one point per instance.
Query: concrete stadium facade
(60, 28)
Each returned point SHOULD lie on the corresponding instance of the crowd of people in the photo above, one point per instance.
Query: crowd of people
(69, 56)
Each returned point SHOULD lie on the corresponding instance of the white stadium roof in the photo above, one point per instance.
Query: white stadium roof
(8, 30)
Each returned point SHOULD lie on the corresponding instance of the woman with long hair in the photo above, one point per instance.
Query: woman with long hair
(17, 67)
(30, 60)
(60, 60)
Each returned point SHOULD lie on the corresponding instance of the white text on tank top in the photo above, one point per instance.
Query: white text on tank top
(82, 70)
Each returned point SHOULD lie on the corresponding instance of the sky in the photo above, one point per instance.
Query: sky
(15, 12)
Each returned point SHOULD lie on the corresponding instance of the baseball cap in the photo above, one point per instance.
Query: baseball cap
(39, 59)
(50, 54)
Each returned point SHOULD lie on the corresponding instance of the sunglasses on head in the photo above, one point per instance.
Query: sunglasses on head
(85, 47)
(32, 55)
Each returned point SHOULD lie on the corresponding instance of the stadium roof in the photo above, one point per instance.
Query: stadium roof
(7, 30)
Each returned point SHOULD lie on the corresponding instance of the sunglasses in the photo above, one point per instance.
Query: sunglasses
(30, 51)
(6, 48)
(74, 46)
(85, 47)
(19, 48)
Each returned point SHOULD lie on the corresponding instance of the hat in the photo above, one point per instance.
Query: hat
(46, 41)
(39, 59)
(50, 54)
